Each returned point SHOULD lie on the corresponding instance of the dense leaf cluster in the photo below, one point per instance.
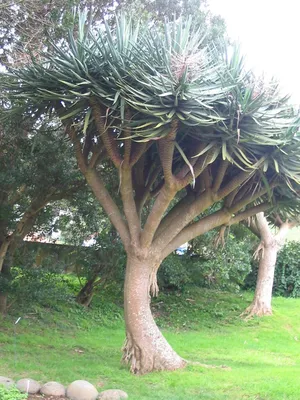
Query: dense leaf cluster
(144, 80)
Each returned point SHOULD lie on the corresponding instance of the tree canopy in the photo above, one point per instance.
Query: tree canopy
(37, 167)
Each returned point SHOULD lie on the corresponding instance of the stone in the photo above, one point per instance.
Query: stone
(82, 390)
(28, 386)
(7, 382)
(53, 389)
(113, 394)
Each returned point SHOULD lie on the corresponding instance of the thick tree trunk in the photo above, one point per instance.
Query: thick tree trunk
(261, 304)
(145, 347)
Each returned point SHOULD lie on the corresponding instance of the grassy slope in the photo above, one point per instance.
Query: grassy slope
(69, 344)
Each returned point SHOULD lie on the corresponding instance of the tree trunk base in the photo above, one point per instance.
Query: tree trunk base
(85, 299)
(257, 309)
(146, 358)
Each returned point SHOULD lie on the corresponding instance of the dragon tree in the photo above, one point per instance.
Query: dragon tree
(185, 126)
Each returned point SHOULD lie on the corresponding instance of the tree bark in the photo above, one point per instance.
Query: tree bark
(267, 252)
(86, 293)
(145, 348)
(3, 251)
(261, 304)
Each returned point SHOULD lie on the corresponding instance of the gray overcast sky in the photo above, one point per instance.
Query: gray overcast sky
(268, 31)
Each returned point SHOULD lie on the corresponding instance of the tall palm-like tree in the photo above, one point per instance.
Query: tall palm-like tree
(185, 126)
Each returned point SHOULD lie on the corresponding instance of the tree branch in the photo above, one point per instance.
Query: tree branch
(181, 218)
(78, 151)
(199, 167)
(17, 195)
(196, 229)
(192, 160)
(251, 225)
(207, 178)
(109, 143)
(129, 203)
(88, 143)
(97, 156)
(127, 142)
(138, 151)
(161, 204)
(220, 175)
(108, 204)
(243, 202)
(174, 213)
(143, 192)
(166, 148)
(250, 212)
(234, 183)
(221, 217)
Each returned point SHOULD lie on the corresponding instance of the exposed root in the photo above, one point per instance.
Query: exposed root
(259, 252)
(256, 310)
(220, 238)
(143, 361)
(153, 286)
(132, 355)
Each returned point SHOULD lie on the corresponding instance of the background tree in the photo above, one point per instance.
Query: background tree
(270, 244)
(33, 173)
(185, 127)
(83, 222)
(287, 272)
(223, 267)
(29, 26)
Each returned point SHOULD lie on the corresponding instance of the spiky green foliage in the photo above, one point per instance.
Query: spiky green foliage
(144, 79)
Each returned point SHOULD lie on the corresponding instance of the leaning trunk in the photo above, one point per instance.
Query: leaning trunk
(261, 304)
(86, 293)
(145, 348)
(268, 250)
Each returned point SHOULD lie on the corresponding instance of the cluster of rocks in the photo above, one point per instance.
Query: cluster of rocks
(77, 390)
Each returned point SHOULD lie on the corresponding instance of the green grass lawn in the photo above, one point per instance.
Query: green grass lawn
(262, 355)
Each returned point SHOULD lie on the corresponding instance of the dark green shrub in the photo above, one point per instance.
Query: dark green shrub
(39, 286)
(205, 265)
(174, 272)
(287, 272)
(223, 268)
